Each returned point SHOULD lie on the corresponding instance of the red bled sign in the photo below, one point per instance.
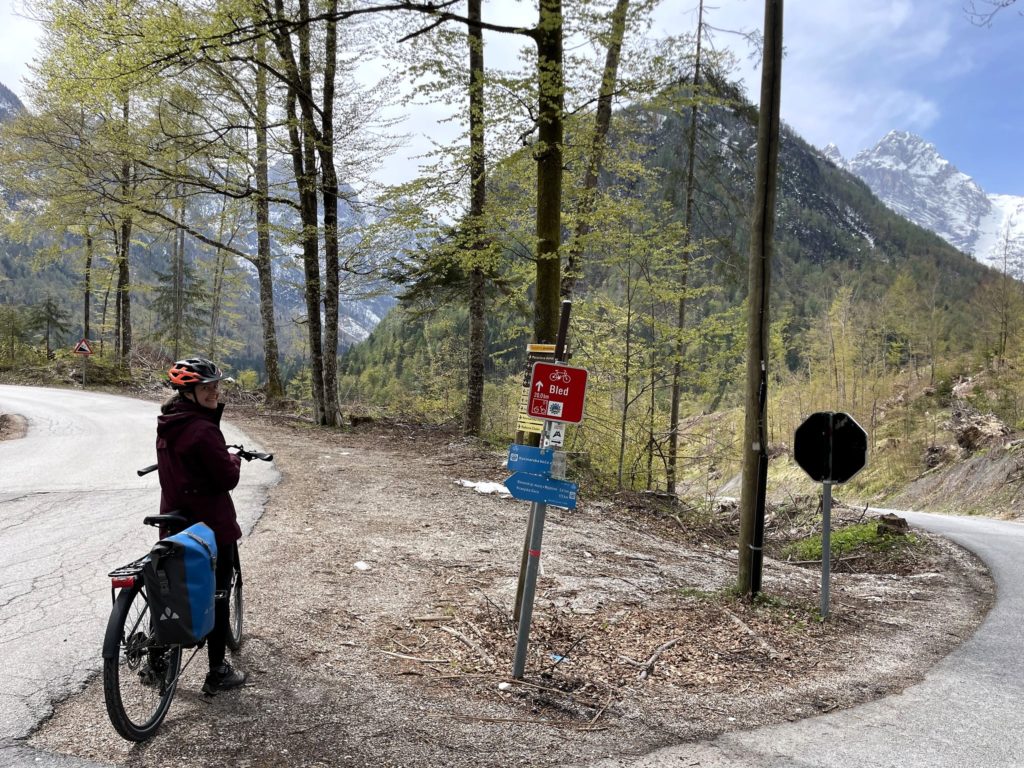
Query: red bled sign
(557, 392)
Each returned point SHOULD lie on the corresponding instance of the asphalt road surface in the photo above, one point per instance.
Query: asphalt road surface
(71, 509)
(968, 712)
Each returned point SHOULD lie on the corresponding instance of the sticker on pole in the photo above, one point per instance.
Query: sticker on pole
(557, 392)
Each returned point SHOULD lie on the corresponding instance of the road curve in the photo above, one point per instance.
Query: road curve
(71, 509)
(966, 713)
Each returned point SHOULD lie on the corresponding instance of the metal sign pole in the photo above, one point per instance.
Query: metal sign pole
(529, 586)
(826, 544)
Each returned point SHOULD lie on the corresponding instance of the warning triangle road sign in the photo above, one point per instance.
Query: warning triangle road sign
(83, 348)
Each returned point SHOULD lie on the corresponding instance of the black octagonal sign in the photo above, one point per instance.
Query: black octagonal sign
(830, 447)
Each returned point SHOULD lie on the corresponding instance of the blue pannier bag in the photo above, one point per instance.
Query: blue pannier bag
(180, 580)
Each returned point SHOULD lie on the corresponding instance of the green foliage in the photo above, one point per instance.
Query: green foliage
(850, 539)
(300, 386)
(181, 307)
(248, 380)
(15, 335)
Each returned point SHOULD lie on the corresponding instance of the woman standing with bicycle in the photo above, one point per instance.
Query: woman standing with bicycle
(197, 474)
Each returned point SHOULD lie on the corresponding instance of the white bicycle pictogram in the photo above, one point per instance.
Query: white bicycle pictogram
(562, 376)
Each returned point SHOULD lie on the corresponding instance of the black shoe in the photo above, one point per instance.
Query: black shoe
(223, 678)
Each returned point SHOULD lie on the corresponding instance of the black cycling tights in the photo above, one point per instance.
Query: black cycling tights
(216, 641)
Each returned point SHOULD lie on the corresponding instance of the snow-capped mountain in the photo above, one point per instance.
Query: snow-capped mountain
(909, 175)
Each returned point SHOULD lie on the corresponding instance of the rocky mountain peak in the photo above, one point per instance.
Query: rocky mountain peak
(832, 153)
(910, 176)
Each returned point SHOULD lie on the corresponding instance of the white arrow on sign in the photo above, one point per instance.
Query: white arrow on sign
(539, 386)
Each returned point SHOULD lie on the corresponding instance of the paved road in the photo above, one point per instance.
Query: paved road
(968, 712)
(71, 509)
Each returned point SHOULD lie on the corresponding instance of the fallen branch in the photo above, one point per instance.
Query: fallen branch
(590, 725)
(642, 558)
(649, 665)
(456, 634)
(576, 697)
(772, 653)
(518, 720)
(407, 657)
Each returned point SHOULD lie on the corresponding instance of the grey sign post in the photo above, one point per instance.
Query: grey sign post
(831, 448)
(540, 503)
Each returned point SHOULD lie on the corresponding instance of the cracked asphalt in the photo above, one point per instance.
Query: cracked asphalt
(71, 509)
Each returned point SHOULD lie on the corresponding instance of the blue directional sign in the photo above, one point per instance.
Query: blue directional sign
(543, 490)
(530, 459)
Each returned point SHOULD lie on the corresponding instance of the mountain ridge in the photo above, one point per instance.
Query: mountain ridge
(913, 179)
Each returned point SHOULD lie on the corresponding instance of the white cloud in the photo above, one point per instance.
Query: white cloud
(852, 70)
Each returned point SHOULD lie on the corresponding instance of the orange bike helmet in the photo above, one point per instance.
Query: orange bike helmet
(185, 374)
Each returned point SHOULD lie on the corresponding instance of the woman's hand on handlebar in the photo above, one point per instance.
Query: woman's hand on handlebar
(250, 455)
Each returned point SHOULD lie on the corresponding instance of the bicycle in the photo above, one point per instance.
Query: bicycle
(140, 675)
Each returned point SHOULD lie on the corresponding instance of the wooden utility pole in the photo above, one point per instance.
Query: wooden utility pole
(755, 433)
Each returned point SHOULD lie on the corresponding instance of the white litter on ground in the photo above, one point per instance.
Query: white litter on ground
(485, 487)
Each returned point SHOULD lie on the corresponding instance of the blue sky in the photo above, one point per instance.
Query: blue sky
(854, 70)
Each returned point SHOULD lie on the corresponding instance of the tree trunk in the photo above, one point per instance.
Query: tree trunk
(329, 176)
(88, 283)
(550, 118)
(602, 123)
(677, 365)
(178, 282)
(626, 376)
(303, 152)
(219, 268)
(263, 263)
(477, 203)
(124, 304)
(755, 448)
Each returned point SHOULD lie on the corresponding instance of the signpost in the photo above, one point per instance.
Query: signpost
(557, 392)
(554, 396)
(831, 448)
(84, 349)
(529, 458)
(526, 424)
(543, 490)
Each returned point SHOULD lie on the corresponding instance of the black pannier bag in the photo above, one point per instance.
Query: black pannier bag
(180, 580)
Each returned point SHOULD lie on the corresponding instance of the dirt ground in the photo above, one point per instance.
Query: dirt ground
(379, 594)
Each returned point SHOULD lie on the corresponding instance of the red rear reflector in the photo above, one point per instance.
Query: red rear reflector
(122, 582)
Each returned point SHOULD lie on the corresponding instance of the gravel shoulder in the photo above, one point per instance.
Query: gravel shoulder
(378, 601)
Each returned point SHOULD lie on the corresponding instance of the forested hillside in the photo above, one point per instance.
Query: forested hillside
(864, 304)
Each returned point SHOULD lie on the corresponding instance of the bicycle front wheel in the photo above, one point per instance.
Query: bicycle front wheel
(139, 675)
(236, 608)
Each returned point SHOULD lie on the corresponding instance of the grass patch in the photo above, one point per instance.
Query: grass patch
(860, 538)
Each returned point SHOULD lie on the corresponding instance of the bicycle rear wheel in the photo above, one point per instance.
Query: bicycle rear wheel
(236, 608)
(139, 675)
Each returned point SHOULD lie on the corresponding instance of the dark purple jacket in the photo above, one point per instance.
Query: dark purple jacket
(196, 470)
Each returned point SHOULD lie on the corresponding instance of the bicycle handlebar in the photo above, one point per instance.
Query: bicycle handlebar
(250, 455)
(239, 451)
